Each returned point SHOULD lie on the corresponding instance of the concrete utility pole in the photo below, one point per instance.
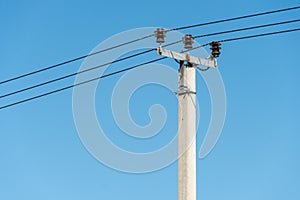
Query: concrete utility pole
(186, 133)
(187, 111)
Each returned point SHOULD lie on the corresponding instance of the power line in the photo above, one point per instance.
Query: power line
(72, 60)
(259, 35)
(88, 81)
(144, 52)
(130, 68)
(248, 28)
(78, 84)
(74, 74)
(239, 30)
(145, 37)
(237, 18)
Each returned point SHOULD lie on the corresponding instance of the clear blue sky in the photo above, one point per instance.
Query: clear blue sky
(42, 157)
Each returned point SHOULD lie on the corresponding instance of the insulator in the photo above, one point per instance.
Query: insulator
(215, 49)
(188, 41)
(215, 53)
(160, 35)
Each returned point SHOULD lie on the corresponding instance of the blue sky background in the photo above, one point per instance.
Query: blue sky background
(41, 156)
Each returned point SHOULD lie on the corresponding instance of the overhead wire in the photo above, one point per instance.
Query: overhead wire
(78, 84)
(259, 35)
(130, 68)
(248, 28)
(239, 30)
(145, 37)
(87, 81)
(73, 60)
(141, 53)
(74, 74)
(236, 18)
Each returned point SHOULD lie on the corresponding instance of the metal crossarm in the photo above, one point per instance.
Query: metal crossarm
(207, 62)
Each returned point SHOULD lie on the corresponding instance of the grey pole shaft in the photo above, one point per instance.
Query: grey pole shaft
(187, 133)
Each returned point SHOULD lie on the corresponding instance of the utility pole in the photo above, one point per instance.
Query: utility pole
(186, 133)
(187, 110)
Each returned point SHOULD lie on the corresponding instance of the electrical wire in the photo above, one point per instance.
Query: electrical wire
(259, 35)
(248, 28)
(236, 18)
(203, 69)
(138, 54)
(88, 81)
(78, 84)
(145, 37)
(238, 30)
(74, 74)
(73, 60)
(130, 68)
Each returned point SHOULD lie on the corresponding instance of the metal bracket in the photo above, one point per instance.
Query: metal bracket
(184, 90)
(207, 62)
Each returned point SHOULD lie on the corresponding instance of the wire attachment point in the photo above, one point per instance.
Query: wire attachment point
(188, 41)
(160, 35)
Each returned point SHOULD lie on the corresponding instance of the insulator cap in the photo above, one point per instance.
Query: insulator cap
(188, 41)
(160, 35)
(215, 49)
